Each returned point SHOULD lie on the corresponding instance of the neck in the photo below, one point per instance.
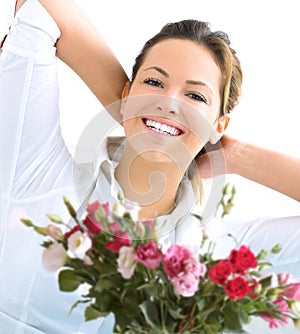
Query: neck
(151, 183)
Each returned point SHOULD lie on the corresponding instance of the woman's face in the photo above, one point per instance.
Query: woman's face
(174, 102)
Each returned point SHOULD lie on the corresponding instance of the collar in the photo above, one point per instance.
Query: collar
(170, 227)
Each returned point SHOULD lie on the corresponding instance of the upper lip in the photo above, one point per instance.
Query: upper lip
(165, 121)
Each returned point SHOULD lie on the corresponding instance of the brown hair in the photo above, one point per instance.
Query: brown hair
(217, 43)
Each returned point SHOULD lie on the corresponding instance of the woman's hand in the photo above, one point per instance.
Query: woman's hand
(220, 158)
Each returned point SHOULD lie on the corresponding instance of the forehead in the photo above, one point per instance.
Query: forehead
(184, 58)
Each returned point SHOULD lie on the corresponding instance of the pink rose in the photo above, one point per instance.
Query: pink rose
(292, 292)
(185, 285)
(283, 308)
(92, 208)
(292, 289)
(148, 223)
(285, 279)
(194, 267)
(174, 260)
(149, 255)
(242, 260)
(220, 272)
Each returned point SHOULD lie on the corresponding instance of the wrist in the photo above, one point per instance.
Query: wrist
(236, 157)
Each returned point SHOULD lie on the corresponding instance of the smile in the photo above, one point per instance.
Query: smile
(161, 128)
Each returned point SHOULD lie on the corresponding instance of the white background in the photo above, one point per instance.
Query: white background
(265, 35)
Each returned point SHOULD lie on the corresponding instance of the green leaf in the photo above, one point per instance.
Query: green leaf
(201, 304)
(92, 313)
(151, 314)
(77, 303)
(103, 284)
(244, 317)
(67, 281)
(176, 313)
(266, 281)
(231, 318)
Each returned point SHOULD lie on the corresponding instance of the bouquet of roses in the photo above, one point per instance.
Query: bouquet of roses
(154, 289)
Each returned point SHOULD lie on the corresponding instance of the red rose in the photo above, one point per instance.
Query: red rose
(92, 225)
(237, 288)
(149, 255)
(118, 242)
(242, 260)
(90, 221)
(220, 272)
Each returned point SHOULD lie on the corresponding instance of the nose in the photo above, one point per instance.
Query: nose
(168, 105)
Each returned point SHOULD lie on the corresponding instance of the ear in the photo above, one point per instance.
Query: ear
(221, 127)
(222, 124)
(125, 93)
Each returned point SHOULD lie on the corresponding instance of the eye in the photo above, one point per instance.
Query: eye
(197, 97)
(153, 82)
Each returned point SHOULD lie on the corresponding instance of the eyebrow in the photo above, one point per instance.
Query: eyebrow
(189, 82)
(199, 83)
(158, 69)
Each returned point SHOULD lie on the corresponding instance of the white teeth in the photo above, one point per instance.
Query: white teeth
(162, 128)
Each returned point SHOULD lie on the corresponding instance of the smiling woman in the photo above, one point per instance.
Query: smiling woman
(168, 91)
(176, 85)
(184, 83)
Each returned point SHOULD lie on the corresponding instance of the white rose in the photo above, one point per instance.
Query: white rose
(54, 257)
(78, 244)
(126, 262)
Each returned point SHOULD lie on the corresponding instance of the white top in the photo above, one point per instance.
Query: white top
(36, 171)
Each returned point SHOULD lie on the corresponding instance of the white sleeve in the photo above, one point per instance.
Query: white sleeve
(33, 153)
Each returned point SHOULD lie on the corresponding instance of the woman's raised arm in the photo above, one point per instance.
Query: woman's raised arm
(83, 49)
(272, 169)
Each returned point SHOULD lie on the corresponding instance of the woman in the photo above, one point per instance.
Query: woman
(163, 108)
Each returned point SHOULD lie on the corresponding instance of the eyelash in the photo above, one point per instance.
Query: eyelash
(153, 82)
(193, 95)
(197, 97)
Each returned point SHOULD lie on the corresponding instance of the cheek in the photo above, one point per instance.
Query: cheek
(200, 127)
(194, 144)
